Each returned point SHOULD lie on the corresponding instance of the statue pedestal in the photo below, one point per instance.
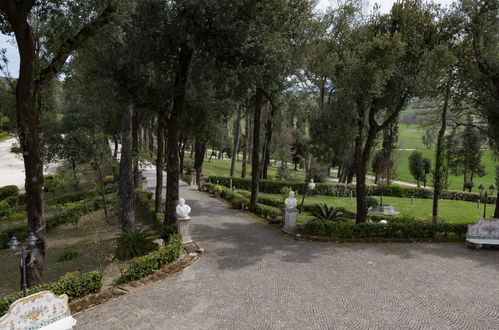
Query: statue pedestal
(183, 229)
(193, 178)
(290, 216)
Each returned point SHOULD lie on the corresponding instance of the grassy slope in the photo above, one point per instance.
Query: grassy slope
(450, 211)
(410, 137)
(220, 167)
(456, 182)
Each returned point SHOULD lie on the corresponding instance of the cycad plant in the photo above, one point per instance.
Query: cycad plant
(325, 212)
(134, 243)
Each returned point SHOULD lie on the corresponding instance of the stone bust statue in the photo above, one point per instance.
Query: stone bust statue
(291, 201)
(182, 209)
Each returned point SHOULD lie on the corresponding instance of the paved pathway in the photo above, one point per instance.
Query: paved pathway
(252, 276)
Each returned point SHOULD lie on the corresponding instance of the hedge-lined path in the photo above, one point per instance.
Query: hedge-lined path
(252, 276)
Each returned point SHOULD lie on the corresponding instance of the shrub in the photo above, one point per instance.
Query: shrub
(146, 265)
(168, 231)
(218, 189)
(52, 182)
(108, 179)
(344, 190)
(325, 212)
(315, 227)
(74, 284)
(134, 243)
(145, 202)
(67, 255)
(15, 149)
(371, 202)
(4, 135)
(8, 191)
(390, 230)
(394, 191)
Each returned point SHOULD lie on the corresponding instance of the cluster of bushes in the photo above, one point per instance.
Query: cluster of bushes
(3, 135)
(69, 213)
(241, 200)
(73, 284)
(414, 229)
(8, 191)
(146, 265)
(344, 190)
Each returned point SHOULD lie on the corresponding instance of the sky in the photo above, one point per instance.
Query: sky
(13, 58)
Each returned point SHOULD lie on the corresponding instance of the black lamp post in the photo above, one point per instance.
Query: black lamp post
(23, 253)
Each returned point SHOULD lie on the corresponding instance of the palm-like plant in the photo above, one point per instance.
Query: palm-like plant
(134, 243)
(325, 212)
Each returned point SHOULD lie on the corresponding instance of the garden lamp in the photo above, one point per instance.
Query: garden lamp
(480, 188)
(13, 244)
(23, 253)
(491, 189)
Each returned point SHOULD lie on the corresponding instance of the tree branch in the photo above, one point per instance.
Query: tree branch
(395, 113)
(73, 43)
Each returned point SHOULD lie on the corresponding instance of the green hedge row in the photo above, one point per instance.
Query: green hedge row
(344, 190)
(146, 265)
(73, 284)
(8, 191)
(241, 200)
(390, 230)
(80, 195)
(69, 213)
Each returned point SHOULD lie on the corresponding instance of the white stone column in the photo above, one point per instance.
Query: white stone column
(183, 229)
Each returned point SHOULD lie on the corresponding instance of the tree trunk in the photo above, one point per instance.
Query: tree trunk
(135, 148)
(496, 212)
(268, 141)
(200, 149)
(173, 127)
(237, 137)
(362, 154)
(27, 130)
(115, 153)
(246, 144)
(160, 156)
(439, 157)
(181, 153)
(255, 164)
(126, 183)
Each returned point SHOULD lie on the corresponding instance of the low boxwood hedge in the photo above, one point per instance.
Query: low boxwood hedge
(346, 230)
(240, 200)
(73, 284)
(8, 191)
(146, 265)
(344, 190)
(69, 213)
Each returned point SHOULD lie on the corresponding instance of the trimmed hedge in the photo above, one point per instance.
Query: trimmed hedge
(344, 190)
(73, 284)
(241, 200)
(390, 230)
(8, 191)
(69, 213)
(146, 265)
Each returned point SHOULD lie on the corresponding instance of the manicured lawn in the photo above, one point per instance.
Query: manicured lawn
(456, 182)
(450, 211)
(219, 167)
(410, 137)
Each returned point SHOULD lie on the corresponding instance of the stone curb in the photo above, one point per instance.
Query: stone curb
(191, 254)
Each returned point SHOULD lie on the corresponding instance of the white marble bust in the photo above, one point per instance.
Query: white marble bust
(291, 201)
(183, 209)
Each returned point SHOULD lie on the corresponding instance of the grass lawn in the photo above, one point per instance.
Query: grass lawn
(456, 182)
(410, 137)
(450, 211)
(219, 167)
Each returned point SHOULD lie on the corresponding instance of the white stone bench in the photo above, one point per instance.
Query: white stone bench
(484, 232)
(42, 310)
